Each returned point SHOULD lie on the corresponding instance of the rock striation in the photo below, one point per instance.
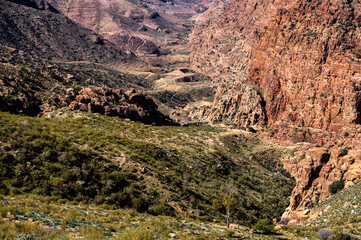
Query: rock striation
(307, 64)
(222, 43)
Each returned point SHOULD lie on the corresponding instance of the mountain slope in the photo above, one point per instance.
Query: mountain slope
(132, 25)
(160, 170)
(50, 35)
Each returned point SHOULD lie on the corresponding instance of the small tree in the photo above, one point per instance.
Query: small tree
(226, 201)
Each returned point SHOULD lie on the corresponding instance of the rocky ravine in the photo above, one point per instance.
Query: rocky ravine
(294, 70)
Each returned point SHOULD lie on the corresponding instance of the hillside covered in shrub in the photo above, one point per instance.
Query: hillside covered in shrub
(160, 170)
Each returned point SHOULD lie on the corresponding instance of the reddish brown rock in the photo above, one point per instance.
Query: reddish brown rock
(306, 64)
(222, 43)
(304, 60)
(132, 104)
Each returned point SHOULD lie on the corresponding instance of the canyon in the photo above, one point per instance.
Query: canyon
(290, 71)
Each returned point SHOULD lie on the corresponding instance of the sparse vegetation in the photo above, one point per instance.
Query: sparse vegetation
(41, 218)
(160, 170)
(340, 213)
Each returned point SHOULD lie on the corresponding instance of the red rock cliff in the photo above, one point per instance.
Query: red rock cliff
(303, 59)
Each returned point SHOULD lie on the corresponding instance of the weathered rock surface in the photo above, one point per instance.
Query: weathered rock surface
(307, 65)
(242, 107)
(34, 92)
(222, 43)
(314, 170)
(303, 58)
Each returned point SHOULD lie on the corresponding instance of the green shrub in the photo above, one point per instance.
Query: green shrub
(161, 209)
(343, 236)
(344, 152)
(336, 186)
(265, 226)
(229, 233)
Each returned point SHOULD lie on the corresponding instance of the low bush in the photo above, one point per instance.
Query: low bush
(161, 209)
(91, 233)
(265, 226)
(325, 234)
(336, 186)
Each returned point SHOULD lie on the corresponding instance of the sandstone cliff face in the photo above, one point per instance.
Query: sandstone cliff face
(303, 58)
(307, 64)
(222, 43)
(293, 53)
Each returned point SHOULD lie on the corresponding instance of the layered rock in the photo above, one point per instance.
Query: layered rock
(296, 56)
(307, 66)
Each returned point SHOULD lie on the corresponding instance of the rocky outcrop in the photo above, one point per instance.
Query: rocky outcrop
(314, 170)
(34, 93)
(241, 107)
(132, 104)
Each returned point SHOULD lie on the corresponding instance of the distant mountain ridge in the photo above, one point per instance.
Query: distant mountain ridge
(37, 28)
(134, 25)
(38, 4)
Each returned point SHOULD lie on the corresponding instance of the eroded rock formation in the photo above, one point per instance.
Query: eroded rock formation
(132, 104)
